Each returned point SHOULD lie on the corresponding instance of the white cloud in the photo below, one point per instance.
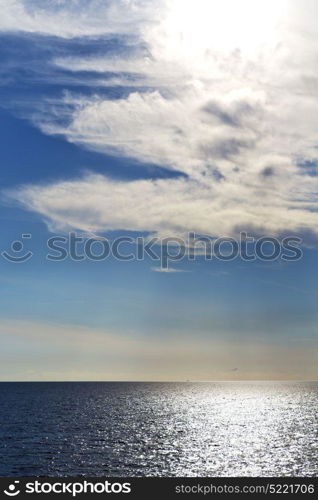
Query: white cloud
(168, 270)
(72, 18)
(236, 113)
(169, 207)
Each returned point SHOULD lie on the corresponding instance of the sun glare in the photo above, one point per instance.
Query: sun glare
(194, 26)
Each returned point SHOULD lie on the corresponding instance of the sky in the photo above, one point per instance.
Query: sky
(153, 119)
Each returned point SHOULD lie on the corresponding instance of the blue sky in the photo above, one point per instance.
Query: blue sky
(151, 127)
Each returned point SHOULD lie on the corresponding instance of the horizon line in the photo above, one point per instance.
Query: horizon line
(157, 381)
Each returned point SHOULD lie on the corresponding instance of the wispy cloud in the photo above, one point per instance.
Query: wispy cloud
(167, 270)
(73, 18)
(232, 106)
(168, 207)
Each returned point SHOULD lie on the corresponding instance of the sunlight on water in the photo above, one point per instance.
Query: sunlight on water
(159, 429)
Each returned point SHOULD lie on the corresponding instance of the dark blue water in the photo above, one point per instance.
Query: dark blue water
(159, 429)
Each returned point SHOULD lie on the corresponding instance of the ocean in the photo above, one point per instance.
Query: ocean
(159, 429)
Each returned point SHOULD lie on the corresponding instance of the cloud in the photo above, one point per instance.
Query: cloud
(232, 105)
(167, 270)
(166, 206)
(73, 18)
